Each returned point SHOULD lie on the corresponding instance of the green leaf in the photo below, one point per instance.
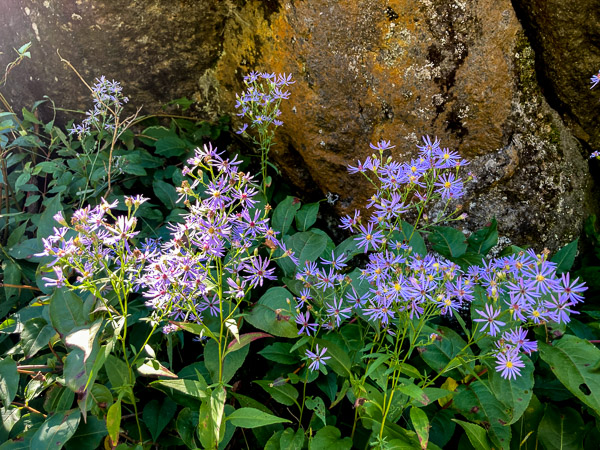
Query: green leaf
(211, 428)
(565, 257)
(26, 249)
(573, 361)
(329, 437)
(157, 415)
(340, 361)
(307, 246)
(47, 223)
(190, 388)
(448, 242)
(285, 393)
(59, 399)
(170, 146)
(280, 352)
(165, 192)
(515, 394)
(9, 381)
(561, 428)
(420, 423)
(272, 313)
(414, 392)
(187, 423)
(153, 368)
(113, 421)
(482, 241)
(88, 435)
(117, 371)
(291, 440)
(253, 418)
(317, 405)
(56, 430)
(307, 216)
(284, 213)
(66, 311)
(244, 340)
(442, 353)
(231, 363)
(35, 336)
(476, 434)
(407, 233)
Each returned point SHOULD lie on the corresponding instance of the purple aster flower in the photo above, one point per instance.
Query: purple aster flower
(347, 222)
(382, 145)
(57, 282)
(518, 338)
(337, 313)
(595, 80)
(369, 238)
(489, 319)
(304, 321)
(449, 186)
(304, 297)
(428, 147)
(360, 167)
(258, 271)
(559, 310)
(570, 290)
(509, 364)
(317, 358)
(523, 290)
(356, 300)
(335, 262)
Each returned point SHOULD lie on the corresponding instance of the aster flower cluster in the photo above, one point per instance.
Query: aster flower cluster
(506, 295)
(95, 251)
(213, 256)
(108, 105)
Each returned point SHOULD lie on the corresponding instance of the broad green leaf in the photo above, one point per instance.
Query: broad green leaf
(165, 192)
(340, 361)
(84, 338)
(113, 421)
(117, 371)
(12, 275)
(231, 363)
(185, 392)
(244, 340)
(272, 313)
(280, 352)
(307, 246)
(9, 417)
(565, 257)
(253, 418)
(476, 434)
(170, 146)
(157, 415)
(348, 247)
(187, 423)
(285, 393)
(59, 399)
(291, 440)
(515, 394)
(56, 430)
(442, 353)
(476, 402)
(150, 135)
(573, 361)
(26, 249)
(329, 437)
(88, 435)
(448, 242)
(284, 213)
(66, 311)
(196, 328)
(35, 335)
(9, 381)
(420, 423)
(307, 216)
(211, 428)
(561, 428)
(153, 368)
(47, 223)
(482, 241)
(414, 392)
(525, 429)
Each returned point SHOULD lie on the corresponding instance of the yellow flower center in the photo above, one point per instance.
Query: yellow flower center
(509, 364)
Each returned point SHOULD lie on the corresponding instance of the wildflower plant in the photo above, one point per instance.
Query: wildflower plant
(259, 105)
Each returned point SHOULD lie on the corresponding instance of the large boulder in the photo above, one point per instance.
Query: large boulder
(396, 70)
(365, 71)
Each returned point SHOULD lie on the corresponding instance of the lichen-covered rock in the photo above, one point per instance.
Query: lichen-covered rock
(396, 70)
(365, 70)
(565, 35)
(156, 49)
